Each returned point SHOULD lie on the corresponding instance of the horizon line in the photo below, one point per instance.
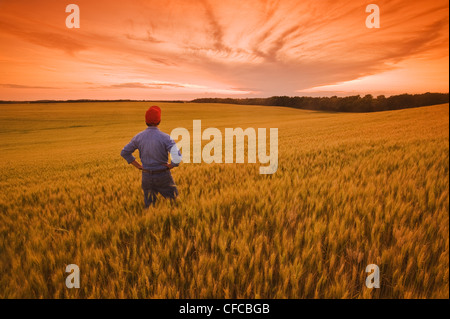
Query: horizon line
(191, 100)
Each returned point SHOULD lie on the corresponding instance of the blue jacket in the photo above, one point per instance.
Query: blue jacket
(154, 147)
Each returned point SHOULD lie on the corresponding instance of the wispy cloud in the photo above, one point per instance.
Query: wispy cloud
(43, 36)
(19, 86)
(138, 85)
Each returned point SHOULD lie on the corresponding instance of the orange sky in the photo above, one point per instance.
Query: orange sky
(183, 49)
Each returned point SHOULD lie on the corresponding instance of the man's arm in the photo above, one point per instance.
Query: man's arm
(127, 154)
(175, 153)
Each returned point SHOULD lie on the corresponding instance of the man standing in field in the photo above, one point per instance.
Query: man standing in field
(154, 147)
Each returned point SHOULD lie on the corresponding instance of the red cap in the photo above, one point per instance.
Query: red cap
(153, 115)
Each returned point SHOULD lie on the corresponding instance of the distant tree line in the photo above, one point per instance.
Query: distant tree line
(354, 103)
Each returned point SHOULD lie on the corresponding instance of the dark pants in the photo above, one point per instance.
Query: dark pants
(161, 183)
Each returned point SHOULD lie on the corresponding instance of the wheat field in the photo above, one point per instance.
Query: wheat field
(350, 190)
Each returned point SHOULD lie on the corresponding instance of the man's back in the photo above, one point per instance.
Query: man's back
(153, 146)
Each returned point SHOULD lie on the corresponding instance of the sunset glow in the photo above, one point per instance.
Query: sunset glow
(185, 49)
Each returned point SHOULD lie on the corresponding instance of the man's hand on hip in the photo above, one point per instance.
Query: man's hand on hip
(169, 166)
(137, 165)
